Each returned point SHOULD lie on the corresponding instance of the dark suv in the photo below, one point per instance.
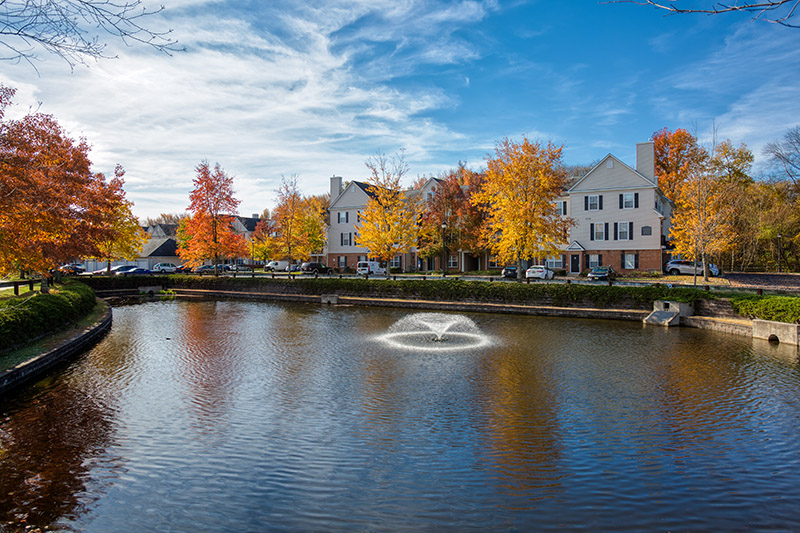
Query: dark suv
(314, 268)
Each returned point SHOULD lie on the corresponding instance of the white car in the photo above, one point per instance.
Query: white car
(167, 268)
(539, 272)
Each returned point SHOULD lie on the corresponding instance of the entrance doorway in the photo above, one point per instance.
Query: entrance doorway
(575, 263)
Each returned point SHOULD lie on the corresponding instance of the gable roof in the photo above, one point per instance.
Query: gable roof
(160, 247)
(647, 182)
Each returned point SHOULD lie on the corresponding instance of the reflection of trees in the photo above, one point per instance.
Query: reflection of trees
(46, 451)
(522, 423)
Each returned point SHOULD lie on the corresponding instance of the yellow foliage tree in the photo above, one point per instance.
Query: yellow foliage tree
(389, 219)
(701, 225)
(522, 182)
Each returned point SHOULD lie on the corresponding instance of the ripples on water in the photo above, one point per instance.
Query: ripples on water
(245, 416)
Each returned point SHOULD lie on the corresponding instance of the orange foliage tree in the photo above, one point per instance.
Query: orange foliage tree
(677, 156)
(207, 232)
(522, 183)
(53, 208)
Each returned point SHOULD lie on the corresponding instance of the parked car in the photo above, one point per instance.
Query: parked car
(69, 270)
(204, 269)
(115, 269)
(681, 266)
(539, 272)
(293, 268)
(239, 268)
(136, 271)
(602, 273)
(276, 266)
(509, 272)
(183, 269)
(166, 268)
(366, 268)
(314, 268)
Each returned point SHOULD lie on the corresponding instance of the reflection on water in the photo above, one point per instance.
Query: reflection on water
(220, 416)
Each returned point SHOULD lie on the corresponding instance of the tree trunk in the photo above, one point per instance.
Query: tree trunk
(45, 285)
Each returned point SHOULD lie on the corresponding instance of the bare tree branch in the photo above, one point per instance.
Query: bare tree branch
(780, 11)
(71, 29)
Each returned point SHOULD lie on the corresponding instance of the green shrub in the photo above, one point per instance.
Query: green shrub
(25, 318)
(777, 308)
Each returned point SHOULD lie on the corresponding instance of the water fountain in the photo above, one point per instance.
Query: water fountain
(435, 332)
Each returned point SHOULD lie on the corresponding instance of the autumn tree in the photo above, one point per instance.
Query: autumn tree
(119, 235)
(72, 29)
(165, 218)
(677, 156)
(314, 222)
(207, 232)
(523, 181)
(785, 155)
(288, 215)
(53, 208)
(388, 221)
(701, 225)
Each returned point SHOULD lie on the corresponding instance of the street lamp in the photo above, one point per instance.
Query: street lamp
(444, 250)
(780, 237)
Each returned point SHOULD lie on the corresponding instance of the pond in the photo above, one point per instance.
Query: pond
(244, 416)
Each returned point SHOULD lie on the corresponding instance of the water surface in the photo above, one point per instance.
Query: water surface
(235, 416)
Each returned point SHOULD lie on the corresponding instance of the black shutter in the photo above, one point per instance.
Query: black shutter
(585, 203)
(606, 231)
(622, 260)
(591, 232)
(347, 216)
(636, 199)
(616, 231)
(620, 201)
(599, 259)
(341, 239)
(563, 260)
(630, 231)
(636, 261)
(600, 202)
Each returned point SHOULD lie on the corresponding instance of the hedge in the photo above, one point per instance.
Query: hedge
(559, 294)
(25, 318)
(777, 308)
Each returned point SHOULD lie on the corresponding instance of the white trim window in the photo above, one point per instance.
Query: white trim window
(555, 261)
(623, 231)
(594, 202)
(630, 261)
(629, 200)
(343, 217)
(561, 207)
(347, 239)
(594, 260)
(598, 232)
(452, 261)
(396, 262)
(343, 261)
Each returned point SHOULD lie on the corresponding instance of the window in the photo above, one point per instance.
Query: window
(343, 217)
(555, 261)
(492, 262)
(561, 207)
(346, 239)
(595, 260)
(658, 206)
(363, 258)
(598, 232)
(623, 231)
(343, 261)
(593, 202)
(396, 262)
(452, 261)
(647, 230)
(610, 163)
(630, 261)
(629, 200)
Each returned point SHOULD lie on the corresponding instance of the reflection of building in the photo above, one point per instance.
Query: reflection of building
(621, 218)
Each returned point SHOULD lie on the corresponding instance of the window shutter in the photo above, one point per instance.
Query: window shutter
(630, 231)
(341, 239)
(636, 261)
(605, 233)
(600, 202)
(636, 199)
(351, 238)
(599, 259)
(585, 203)
(563, 260)
(622, 260)
(616, 229)
(347, 216)
(591, 232)
(620, 201)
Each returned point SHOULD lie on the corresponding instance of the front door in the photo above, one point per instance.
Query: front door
(575, 263)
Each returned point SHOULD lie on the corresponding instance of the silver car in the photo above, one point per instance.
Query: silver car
(680, 266)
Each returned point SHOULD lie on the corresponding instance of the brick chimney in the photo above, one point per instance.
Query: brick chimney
(646, 160)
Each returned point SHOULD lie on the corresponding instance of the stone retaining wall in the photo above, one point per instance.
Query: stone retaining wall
(40, 365)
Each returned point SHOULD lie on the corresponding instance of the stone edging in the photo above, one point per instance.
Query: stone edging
(39, 365)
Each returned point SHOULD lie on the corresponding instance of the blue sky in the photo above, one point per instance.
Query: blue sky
(315, 88)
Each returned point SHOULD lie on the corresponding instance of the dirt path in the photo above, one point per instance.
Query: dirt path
(766, 280)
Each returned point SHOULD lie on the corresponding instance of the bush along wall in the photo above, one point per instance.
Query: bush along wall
(776, 308)
(555, 294)
(25, 318)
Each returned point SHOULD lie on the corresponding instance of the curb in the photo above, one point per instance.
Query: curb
(41, 364)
